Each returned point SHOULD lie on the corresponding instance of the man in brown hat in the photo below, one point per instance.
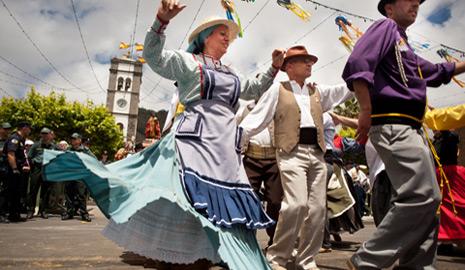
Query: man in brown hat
(297, 107)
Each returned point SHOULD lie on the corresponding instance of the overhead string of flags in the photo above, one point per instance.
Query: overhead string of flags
(349, 32)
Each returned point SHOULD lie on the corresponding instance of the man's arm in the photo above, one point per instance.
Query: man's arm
(12, 161)
(364, 118)
(331, 96)
(345, 121)
(261, 115)
(459, 68)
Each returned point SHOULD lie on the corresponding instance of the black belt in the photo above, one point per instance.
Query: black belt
(308, 136)
(395, 120)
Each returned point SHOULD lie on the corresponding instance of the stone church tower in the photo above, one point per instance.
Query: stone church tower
(123, 94)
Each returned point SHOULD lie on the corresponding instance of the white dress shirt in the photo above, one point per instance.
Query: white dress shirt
(263, 113)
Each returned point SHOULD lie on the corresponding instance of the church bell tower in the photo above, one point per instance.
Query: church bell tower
(123, 94)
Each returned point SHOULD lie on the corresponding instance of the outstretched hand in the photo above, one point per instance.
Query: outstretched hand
(335, 118)
(278, 58)
(169, 9)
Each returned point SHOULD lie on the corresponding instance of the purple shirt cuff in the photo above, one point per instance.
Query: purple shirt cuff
(366, 76)
(450, 69)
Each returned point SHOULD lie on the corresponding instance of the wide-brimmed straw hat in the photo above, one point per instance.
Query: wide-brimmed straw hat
(232, 26)
(382, 3)
(297, 51)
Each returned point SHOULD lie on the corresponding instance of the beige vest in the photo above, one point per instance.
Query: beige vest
(287, 118)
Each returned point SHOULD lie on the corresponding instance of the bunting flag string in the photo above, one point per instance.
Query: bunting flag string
(462, 53)
(231, 14)
(449, 58)
(351, 34)
(295, 8)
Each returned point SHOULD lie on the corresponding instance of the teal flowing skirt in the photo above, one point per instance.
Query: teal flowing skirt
(149, 213)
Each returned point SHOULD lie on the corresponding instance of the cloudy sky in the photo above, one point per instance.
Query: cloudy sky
(41, 44)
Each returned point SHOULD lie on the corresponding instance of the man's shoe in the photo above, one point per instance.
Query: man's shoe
(43, 215)
(325, 250)
(66, 216)
(86, 217)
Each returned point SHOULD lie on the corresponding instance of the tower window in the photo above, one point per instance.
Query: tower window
(128, 84)
(120, 84)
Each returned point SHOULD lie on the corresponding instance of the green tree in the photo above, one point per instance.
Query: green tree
(348, 109)
(64, 118)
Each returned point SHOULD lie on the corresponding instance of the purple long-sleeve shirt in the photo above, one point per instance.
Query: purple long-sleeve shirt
(374, 60)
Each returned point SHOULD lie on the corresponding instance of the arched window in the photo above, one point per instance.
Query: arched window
(120, 84)
(128, 84)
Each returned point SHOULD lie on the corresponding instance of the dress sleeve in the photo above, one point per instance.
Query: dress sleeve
(170, 64)
(369, 51)
(255, 86)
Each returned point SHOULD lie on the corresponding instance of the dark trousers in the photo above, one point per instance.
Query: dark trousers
(3, 193)
(266, 171)
(76, 198)
(381, 197)
(36, 182)
(14, 194)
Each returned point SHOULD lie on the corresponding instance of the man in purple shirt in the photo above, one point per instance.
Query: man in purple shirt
(390, 82)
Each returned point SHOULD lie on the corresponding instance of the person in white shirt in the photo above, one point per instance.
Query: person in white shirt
(296, 107)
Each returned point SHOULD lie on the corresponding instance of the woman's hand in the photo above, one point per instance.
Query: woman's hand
(169, 9)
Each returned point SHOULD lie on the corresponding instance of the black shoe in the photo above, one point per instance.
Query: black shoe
(66, 216)
(86, 217)
(43, 215)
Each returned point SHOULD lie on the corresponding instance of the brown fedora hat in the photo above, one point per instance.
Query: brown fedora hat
(297, 51)
(382, 3)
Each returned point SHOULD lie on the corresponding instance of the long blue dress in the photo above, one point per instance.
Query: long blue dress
(186, 197)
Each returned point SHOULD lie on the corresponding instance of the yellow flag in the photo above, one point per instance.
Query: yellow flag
(123, 45)
(139, 47)
(141, 59)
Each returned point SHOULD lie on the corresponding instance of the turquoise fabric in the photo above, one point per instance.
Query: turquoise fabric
(123, 187)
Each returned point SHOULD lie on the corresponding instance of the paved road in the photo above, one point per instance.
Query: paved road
(56, 244)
